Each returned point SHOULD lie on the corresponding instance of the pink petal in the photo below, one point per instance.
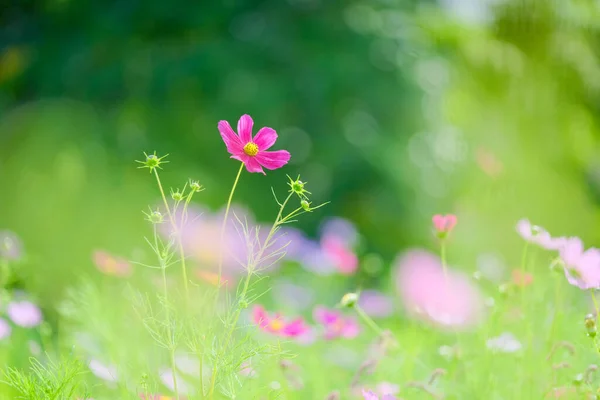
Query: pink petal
(265, 138)
(252, 165)
(260, 317)
(439, 222)
(273, 159)
(232, 141)
(451, 220)
(245, 128)
(351, 328)
(295, 328)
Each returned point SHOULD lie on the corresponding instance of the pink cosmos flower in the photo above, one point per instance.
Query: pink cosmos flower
(252, 150)
(582, 268)
(538, 235)
(450, 300)
(368, 395)
(159, 397)
(111, 265)
(5, 329)
(277, 325)
(338, 238)
(201, 239)
(444, 224)
(24, 313)
(336, 325)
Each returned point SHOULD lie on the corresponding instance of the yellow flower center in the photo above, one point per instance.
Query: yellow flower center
(276, 325)
(251, 149)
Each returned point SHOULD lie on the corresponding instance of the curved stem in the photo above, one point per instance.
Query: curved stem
(224, 224)
(368, 320)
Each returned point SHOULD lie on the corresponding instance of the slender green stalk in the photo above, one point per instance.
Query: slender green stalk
(368, 320)
(201, 371)
(171, 345)
(250, 269)
(443, 257)
(224, 224)
(177, 232)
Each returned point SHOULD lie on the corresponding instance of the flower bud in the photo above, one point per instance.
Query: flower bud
(177, 195)
(349, 300)
(590, 325)
(305, 205)
(196, 186)
(155, 217)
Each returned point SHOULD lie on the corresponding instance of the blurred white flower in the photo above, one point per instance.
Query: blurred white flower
(505, 343)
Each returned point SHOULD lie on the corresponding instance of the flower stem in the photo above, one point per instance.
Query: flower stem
(443, 257)
(250, 271)
(368, 320)
(224, 224)
(177, 232)
(163, 268)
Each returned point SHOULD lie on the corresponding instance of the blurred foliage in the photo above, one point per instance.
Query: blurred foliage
(393, 110)
(86, 88)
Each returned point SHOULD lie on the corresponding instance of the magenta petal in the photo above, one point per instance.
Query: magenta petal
(232, 141)
(245, 128)
(265, 138)
(252, 165)
(273, 159)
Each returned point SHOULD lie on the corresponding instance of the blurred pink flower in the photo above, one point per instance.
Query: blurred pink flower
(111, 265)
(277, 325)
(538, 235)
(24, 313)
(11, 247)
(376, 304)
(252, 151)
(582, 268)
(5, 329)
(336, 325)
(444, 224)
(450, 300)
(105, 372)
(368, 395)
(338, 238)
(201, 239)
(159, 397)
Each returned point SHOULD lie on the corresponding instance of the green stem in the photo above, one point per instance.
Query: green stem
(443, 257)
(201, 371)
(368, 320)
(167, 315)
(250, 271)
(177, 234)
(224, 224)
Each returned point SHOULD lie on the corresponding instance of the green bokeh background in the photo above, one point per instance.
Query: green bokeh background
(384, 105)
